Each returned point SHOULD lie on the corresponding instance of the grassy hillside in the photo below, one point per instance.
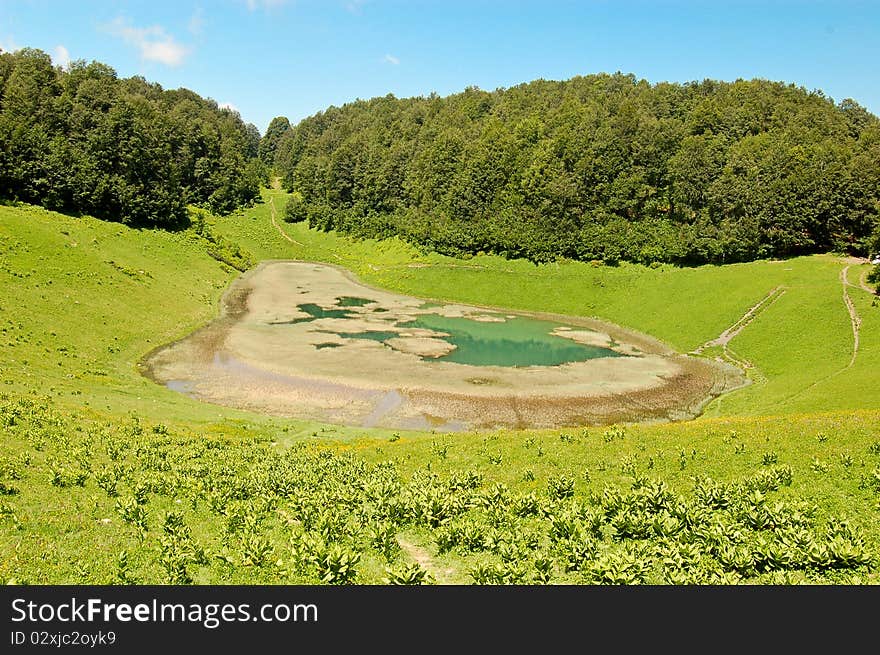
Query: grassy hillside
(105, 476)
(84, 300)
(798, 348)
(125, 500)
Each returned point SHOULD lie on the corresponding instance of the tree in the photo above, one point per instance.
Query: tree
(295, 211)
(82, 140)
(600, 166)
(278, 127)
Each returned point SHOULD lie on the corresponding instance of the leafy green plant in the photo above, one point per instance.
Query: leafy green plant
(108, 480)
(256, 550)
(132, 512)
(628, 567)
(411, 574)
(123, 574)
(613, 432)
(560, 487)
(818, 466)
(384, 539)
(543, 568)
(335, 564)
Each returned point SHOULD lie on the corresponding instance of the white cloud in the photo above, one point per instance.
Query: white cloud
(229, 106)
(154, 43)
(61, 56)
(8, 44)
(253, 5)
(391, 59)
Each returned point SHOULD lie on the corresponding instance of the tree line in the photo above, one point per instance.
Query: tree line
(82, 140)
(602, 167)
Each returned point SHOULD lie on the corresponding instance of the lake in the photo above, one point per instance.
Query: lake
(309, 340)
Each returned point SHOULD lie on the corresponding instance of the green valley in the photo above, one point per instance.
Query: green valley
(594, 331)
(118, 461)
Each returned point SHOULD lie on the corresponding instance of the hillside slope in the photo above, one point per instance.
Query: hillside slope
(798, 346)
(106, 477)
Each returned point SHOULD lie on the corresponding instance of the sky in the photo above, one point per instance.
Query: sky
(294, 58)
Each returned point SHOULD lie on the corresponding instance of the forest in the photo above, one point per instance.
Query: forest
(597, 168)
(602, 167)
(80, 140)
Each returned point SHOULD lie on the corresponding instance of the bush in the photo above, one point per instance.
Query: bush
(296, 210)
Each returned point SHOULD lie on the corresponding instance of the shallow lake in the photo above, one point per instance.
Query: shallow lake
(493, 340)
(309, 340)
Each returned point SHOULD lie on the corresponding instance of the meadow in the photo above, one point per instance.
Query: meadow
(798, 349)
(107, 477)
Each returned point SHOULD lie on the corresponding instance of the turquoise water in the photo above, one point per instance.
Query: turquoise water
(517, 341)
(370, 335)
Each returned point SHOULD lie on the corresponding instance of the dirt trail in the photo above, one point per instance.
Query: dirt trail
(741, 324)
(854, 317)
(439, 265)
(278, 227)
(863, 283)
(856, 322)
(423, 558)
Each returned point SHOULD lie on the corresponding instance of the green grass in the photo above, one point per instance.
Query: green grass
(85, 299)
(82, 301)
(794, 346)
(241, 508)
(248, 510)
(802, 346)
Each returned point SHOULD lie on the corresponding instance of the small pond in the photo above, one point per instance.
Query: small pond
(490, 340)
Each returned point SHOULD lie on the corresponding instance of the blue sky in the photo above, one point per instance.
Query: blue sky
(296, 57)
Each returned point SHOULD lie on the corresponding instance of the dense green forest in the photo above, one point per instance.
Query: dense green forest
(82, 140)
(603, 167)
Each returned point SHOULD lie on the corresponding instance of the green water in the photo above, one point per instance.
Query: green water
(517, 341)
(370, 335)
(352, 301)
(314, 312)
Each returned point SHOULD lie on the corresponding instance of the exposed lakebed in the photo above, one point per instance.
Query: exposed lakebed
(308, 340)
(484, 339)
